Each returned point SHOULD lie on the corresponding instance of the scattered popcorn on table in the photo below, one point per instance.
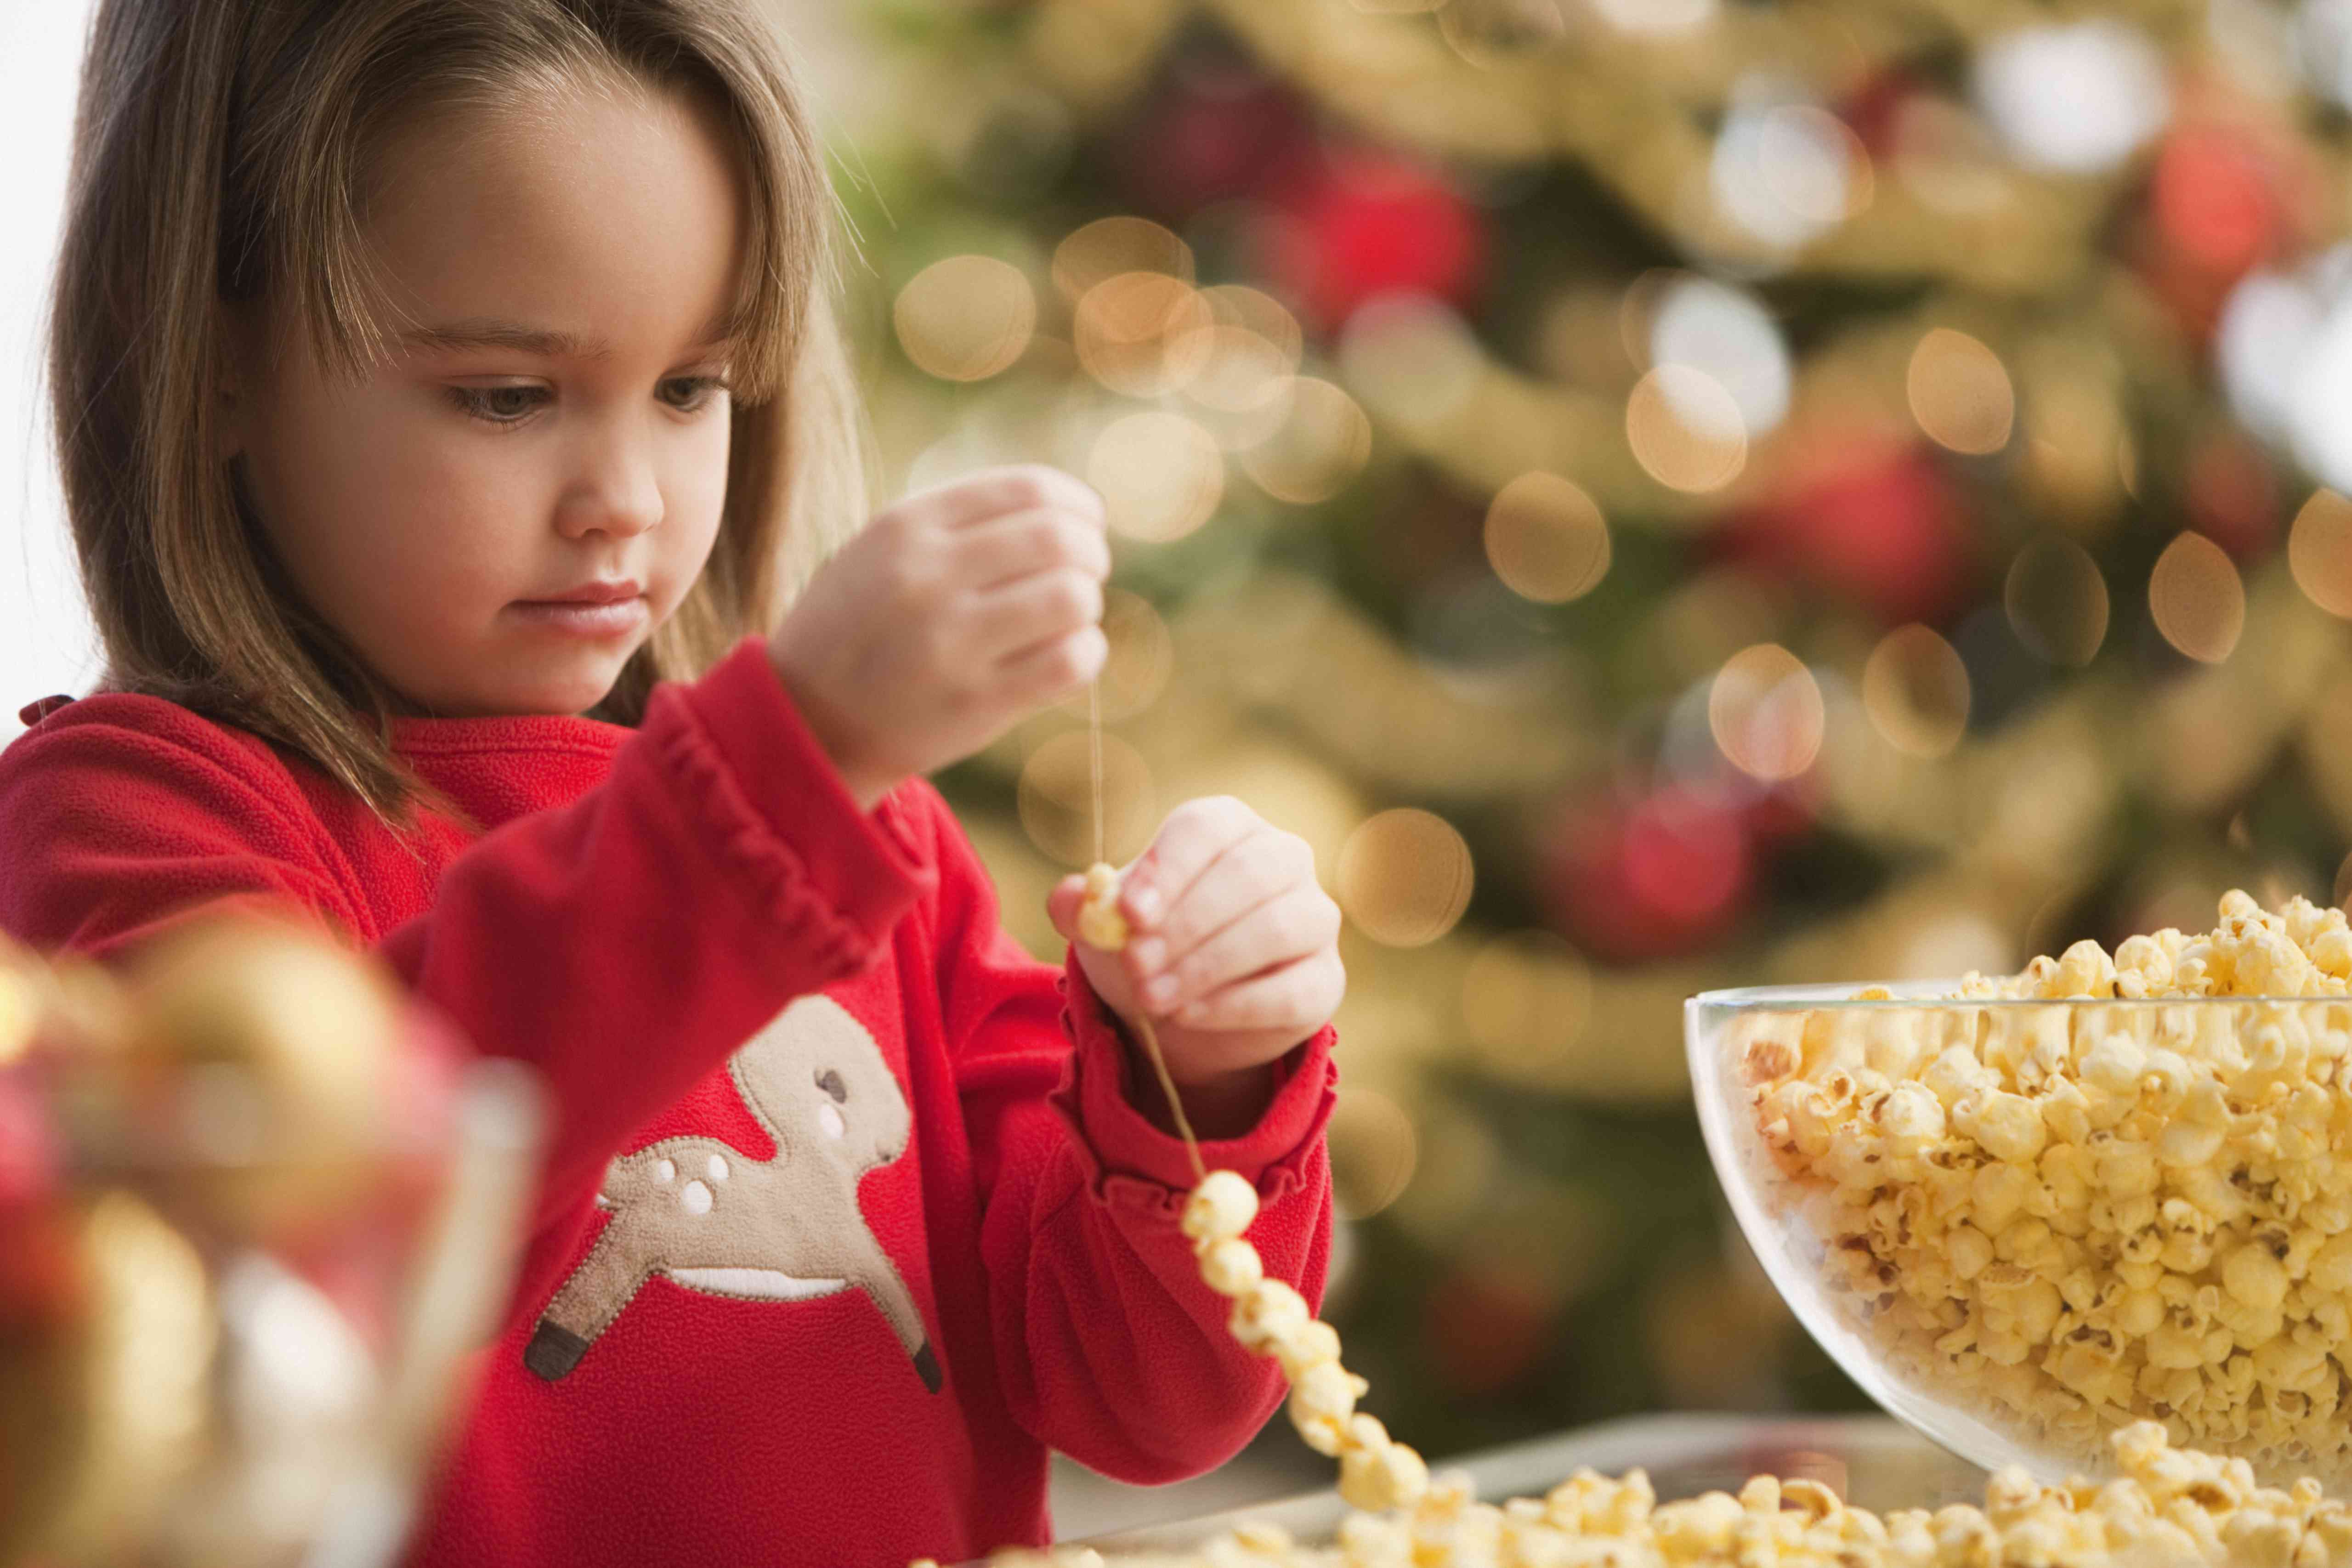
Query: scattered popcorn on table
(2075, 1218)
(2170, 1507)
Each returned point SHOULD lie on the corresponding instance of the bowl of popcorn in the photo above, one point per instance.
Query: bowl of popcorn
(2027, 1212)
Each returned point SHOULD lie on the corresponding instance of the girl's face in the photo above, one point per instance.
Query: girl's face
(554, 425)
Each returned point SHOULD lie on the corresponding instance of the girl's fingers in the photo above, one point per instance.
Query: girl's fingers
(1302, 995)
(977, 499)
(1023, 544)
(1188, 843)
(1298, 920)
(1006, 622)
(1052, 669)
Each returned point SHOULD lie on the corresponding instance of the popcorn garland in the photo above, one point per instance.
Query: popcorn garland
(2170, 1507)
(2084, 1217)
(1269, 1317)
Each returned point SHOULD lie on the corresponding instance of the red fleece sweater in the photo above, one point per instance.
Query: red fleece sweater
(850, 1214)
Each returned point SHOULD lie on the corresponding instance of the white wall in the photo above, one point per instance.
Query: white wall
(46, 641)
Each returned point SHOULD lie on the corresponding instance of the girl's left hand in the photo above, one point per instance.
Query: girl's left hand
(1232, 946)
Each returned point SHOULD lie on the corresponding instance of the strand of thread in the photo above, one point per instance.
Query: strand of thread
(1142, 1020)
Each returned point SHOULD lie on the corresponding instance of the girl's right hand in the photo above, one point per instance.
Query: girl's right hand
(951, 616)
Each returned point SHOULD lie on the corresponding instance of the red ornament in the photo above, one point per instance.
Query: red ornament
(1220, 131)
(1870, 520)
(1357, 222)
(2226, 194)
(2214, 199)
(1874, 110)
(2232, 494)
(1666, 875)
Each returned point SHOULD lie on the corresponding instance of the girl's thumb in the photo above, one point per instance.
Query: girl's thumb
(1063, 903)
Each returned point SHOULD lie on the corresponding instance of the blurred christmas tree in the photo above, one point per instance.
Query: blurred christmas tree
(1664, 494)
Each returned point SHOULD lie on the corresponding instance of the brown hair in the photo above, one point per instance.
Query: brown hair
(222, 150)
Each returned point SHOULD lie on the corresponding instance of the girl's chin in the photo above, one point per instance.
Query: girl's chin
(569, 684)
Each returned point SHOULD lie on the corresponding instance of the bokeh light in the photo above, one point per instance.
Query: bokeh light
(1322, 442)
(1656, 18)
(2056, 600)
(1055, 800)
(2319, 552)
(1526, 995)
(1160, 474)
(2196, 599)
(1787, 172)
(1102, 250)
(1143, 333)
(1374, 1151)
(1915, 690)
(2076, 98)
(1685, 429)
(1404, 877)
(1142, 657)
(1411, 357)
(967, 318)
(1960, 394)
(1545, 539)
(1766, 712)
(1729, 336)
(1241, 380)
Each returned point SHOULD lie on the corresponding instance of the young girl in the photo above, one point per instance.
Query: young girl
(450, 405)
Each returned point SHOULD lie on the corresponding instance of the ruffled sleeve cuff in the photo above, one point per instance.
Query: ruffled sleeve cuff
(1102, 1094)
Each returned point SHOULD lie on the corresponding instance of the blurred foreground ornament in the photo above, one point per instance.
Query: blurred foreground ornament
(256, 1213)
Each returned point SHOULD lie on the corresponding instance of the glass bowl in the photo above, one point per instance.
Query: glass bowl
(226, 1339)
(2022, 1224)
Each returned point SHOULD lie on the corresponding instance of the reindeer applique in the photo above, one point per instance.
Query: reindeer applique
(781, 1229)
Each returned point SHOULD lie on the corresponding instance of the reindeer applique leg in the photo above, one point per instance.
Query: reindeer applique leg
(874, 1273)
(613, 1270)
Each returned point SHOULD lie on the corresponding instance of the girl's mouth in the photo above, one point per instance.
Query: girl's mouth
(576, 618)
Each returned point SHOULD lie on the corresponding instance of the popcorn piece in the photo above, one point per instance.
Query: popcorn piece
(1231, 1266)
(1321, 1401)
(1100, 924)
(1376, 1472)
(1315, 1342)
(1222, 1207)
(1270, 1312)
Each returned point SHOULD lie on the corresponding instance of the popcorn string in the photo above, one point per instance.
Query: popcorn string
(1269, 1316)
(1094, 890)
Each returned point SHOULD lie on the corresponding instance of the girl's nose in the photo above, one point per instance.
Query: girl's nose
(617, 489)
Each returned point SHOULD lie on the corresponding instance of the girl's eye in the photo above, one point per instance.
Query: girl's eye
(689, 393)
(499, 406)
